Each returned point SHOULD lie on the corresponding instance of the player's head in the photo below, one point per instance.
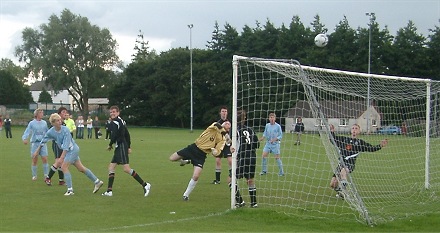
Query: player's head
(241, 117)
(226, 125)
(37, 112)
(62, 112)
(223, 112)
(272, 117)
(299, 119)
(114, 111)
(55, 119)
(355, 130)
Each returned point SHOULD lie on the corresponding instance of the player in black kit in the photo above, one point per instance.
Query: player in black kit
(349, 149)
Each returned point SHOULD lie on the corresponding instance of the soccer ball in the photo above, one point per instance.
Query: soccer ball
(321, 40)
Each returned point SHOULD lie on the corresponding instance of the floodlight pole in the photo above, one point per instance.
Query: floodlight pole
(372, 18)
(190, 26)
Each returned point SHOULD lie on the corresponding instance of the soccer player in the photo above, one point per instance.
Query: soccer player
(246, 158)
(212, 140)
(70, 153)
(7, 122)
(36, 129)
(273, 135)
(226, 152)
(70, 123)
(62, 112)
(349, 149)
(299, 129)
(121, 138)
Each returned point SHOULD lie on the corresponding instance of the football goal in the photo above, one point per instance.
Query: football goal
(398, 180)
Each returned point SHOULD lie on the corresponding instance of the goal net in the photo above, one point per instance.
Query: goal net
(397, 181)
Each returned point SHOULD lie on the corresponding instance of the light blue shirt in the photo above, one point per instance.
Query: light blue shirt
(273, 131)
(37, 129)
(63, 138)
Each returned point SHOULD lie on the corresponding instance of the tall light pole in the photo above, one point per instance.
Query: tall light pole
(372, 18)
(190, 26)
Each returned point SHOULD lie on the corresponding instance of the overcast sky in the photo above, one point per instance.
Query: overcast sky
(165, 23)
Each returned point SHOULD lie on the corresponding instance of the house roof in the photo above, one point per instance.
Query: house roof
(39, 85)
(331, 109)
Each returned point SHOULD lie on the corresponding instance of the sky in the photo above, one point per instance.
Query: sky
(165, 23)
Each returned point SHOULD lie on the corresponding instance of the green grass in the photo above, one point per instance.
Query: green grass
(27, 206)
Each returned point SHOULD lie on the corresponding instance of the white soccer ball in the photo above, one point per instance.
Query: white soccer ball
(321, 40)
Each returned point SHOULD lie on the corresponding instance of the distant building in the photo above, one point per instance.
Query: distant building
(62, 97)
(341, 114)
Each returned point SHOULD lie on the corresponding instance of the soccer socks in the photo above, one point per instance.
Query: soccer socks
(238, 197)
(68, 180)
(280, 166)
(111, 179)
(51, 171)
(137, 177)
(90, 175)
(191, 185)
(264, 164)
(253, 194)
(45, 168)
(218, 172)
(34, 171)
(60, 174)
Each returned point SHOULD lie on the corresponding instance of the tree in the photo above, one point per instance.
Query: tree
(13, 91)
(45, 97)
(17, 71)
(70, 54)
(433, 57)
(410, 52)
(142, 49)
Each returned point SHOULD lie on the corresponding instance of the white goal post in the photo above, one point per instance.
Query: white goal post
(400, 180)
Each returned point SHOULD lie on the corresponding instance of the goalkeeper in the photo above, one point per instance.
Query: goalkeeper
(212, 140)
(349, 149)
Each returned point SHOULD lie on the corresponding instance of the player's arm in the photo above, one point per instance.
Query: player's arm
(113, 135)
(367, 147)
(26, 134)
(128, 139)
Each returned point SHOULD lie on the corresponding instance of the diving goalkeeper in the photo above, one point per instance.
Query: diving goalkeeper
(212, 140)
(349, 149)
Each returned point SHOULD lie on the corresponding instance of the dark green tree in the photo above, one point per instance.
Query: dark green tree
(12, 91)
(44, 97)
(142, 49)
(342, 47)
(17, 71)
(294, 40)
(433, 56)
(71, 54)
(409, 57)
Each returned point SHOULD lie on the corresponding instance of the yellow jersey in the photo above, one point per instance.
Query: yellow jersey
(212, 137)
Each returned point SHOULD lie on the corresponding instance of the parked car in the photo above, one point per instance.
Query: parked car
(390, 130)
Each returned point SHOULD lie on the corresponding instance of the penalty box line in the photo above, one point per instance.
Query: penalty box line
(165, 222)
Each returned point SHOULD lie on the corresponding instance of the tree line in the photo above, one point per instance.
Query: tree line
(154, 89)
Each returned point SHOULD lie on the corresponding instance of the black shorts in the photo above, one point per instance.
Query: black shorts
(349, 164)
(246, 167)
(193, 153)
(226, 152)
(121, 154)
(56, 150)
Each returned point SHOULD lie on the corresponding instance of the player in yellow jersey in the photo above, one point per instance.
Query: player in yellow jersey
(212, 140)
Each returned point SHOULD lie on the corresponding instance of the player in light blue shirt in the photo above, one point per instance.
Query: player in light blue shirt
(273, 135)
(36, 129)
(70, 155)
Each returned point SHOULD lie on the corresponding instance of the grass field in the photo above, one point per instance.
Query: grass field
(31, 206)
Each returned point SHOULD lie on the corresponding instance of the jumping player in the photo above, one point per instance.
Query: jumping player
(349, 149)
